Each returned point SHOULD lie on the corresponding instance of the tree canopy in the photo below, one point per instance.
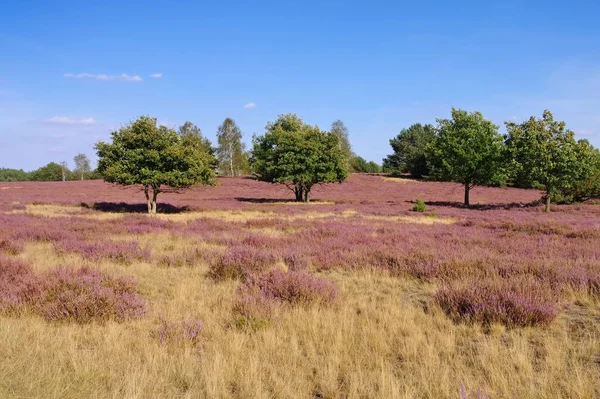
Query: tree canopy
(298, 156)
(360, 165)
(341, 131)
(10, 175)
(468, 150)
(82, 165)
(49, 172)
(543, 154)
(409, 150)
(156, 158)
(231, 150)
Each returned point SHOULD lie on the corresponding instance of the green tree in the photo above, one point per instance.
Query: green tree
(156, 158)
(231, 150)
(586, 184)
(409, 150)
(373, 167)
(341, 131)
(82, 165)
(192, 134)
(360, 165)
(298, 156)
(49, 172)
(543, 154)
(467, 149)
(65, 170)
(9, 175)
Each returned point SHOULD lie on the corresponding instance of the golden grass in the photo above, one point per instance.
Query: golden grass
(48, 210)
(399, 180)
(384, 339)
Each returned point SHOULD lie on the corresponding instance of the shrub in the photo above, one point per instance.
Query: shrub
(242, 261)
(419, 205)
(117, 251)
(187, 330)
(85, 295)
(262, 296)
(516, 303)
(11, 247)
(20, 287)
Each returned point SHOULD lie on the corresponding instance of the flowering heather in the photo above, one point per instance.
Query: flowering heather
(187, 330)
(19, 285)
(85, 295)
(82, 295)
(262, 293)
(242, 261)
(11, 247)
(117, 251)
(517, 303)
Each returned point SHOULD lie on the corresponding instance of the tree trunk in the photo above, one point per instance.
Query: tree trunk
(231, 159)
(307, 196)
(298, 193)
(148, 199)
(154, 195)
(81, 176)
(467, 188)
(547, 202)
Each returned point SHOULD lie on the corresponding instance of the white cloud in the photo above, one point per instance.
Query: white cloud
(156, 75)
(250, 106)
(101, 76)
(56, 149)
(65, 120)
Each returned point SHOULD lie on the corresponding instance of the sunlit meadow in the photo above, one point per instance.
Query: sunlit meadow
(235, 292)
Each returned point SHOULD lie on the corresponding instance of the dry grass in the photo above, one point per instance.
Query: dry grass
(399, 180)
(50, 210)
(378, 343)
(383, 338)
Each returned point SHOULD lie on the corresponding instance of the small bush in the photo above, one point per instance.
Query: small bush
(20, 287)
(518, 303)
(242, 261)
(11, 247)
(183, 331)
(125, 252)
(419, 205)
(82, 295)
(85, 295)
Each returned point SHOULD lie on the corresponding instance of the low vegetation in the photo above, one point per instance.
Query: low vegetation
(238, 293)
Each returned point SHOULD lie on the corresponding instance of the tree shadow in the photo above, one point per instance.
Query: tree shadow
(123, 207)
(264, 200)
(482, 207)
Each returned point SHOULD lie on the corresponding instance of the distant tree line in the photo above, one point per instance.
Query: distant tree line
(468, 149)
(53, 172)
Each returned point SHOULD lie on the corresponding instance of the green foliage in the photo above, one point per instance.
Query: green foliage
(49, 172)
(82, 165)
(8, 175)
(360, 165)
(543, 154)
(192, 135)
(419, 205)
(341, 131)
(157, 158)
(231, 154)
(409, 150)
(468, 150)
(297, 155)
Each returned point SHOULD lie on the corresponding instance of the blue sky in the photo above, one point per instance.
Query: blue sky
(71, 72)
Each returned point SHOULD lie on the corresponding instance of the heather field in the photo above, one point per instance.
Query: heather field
(234, 291)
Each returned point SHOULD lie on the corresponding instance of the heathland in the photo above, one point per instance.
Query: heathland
(233, 291)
